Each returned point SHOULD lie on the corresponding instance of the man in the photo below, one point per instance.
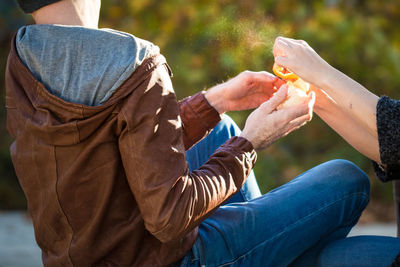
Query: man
(100, 145)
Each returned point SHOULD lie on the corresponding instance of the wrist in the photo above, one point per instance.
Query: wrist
(328, 77)
(321, 101)
(244, 135)
(215, 98)
(249, 137)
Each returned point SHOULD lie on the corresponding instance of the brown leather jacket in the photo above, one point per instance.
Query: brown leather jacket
(109, 185)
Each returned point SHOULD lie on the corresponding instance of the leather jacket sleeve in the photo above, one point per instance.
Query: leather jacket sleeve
(198, 118)
(171, 200)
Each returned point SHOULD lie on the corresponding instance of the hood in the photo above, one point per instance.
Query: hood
(53, 120)
(79, 64)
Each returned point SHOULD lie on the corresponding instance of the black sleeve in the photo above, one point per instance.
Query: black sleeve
(388, 125)
(396, 262)
(388, 173)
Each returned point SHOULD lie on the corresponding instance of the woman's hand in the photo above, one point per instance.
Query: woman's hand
(300, 58)
(345, 105)
(265, 125)
(247, 90)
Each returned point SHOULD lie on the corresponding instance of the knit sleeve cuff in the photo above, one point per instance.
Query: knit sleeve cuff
(388, 125)
(386, 173)
(396, 262)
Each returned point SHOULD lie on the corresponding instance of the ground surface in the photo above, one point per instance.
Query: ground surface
(18, 247)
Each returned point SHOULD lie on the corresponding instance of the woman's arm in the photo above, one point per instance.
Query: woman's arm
(345, 105)
(344, 122)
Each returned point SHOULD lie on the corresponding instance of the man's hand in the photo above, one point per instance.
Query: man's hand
(265, 125)
(247, 90)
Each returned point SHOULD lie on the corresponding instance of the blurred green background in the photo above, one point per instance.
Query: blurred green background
(209, 41)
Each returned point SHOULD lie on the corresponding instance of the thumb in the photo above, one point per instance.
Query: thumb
(311, 103)
(279, 82)
(276, 99)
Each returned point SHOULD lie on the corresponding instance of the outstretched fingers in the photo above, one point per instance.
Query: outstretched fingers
(259, 76)
(279, 82)
(297, 123)
(295, 112)
(299, 115)
(275, 100)
(266, 82)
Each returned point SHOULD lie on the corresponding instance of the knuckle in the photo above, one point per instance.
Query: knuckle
(247, 75)
(266, 74)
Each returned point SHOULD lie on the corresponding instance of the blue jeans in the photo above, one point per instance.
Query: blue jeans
(290, 225)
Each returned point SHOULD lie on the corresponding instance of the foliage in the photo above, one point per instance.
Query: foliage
(209, 41)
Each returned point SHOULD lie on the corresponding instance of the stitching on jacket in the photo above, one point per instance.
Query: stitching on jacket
(77, 137)
(61, 208)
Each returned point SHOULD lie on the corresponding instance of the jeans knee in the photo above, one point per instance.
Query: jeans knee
(350, 175)
(352, 186)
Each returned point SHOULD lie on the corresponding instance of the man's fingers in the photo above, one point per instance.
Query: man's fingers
(275, 100)
(259, 76)
(296, 124)
(267, 82)
(264, 76)
(294, 128)
(279, 82)
(268, 78)
(263, 81)
(294, 112)
(300, 121)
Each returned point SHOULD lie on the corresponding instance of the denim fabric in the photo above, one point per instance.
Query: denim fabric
(78, 64)
(290, 225)
(366, 251)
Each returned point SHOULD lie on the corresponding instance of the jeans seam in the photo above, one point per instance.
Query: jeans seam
(195, 257)
(221, 233)
(290, 226)
(243, 195)
(367, 198)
